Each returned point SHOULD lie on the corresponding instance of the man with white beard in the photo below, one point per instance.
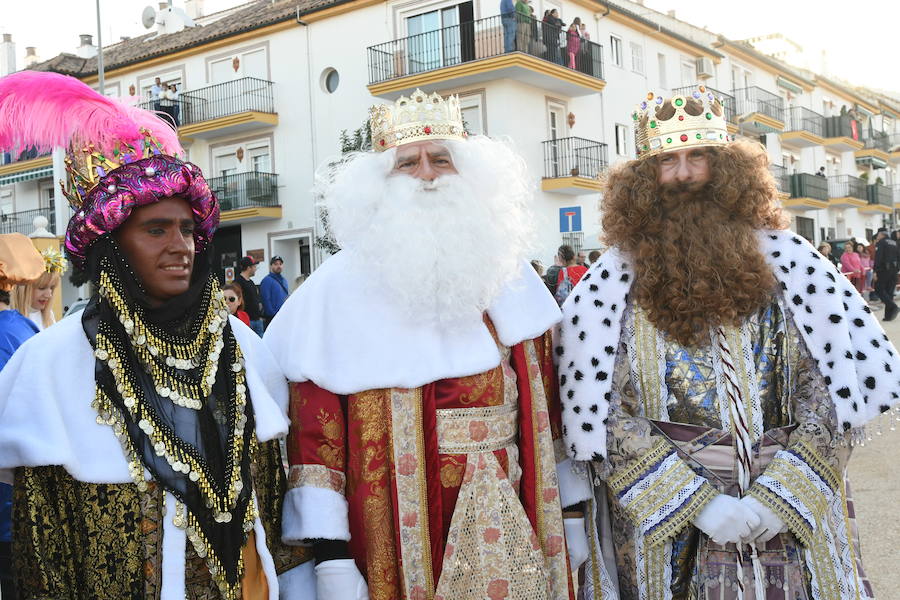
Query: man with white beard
(425, 423)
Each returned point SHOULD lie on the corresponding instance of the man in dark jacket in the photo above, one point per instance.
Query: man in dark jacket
(274, 289)
(887, 264)
(252, 303)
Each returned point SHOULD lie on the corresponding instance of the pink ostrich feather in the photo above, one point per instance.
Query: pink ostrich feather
(48, 110)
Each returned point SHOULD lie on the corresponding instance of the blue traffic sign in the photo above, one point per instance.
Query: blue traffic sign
(570, 219)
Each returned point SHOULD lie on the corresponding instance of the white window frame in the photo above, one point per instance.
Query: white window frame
(637, 57)
(621, 139)
(475, 99)
(663, 75)
(688, 64)
(615, 50)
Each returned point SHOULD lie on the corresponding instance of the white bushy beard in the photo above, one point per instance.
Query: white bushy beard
(441, 251)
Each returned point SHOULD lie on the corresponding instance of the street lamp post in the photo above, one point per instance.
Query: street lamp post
(100, 80)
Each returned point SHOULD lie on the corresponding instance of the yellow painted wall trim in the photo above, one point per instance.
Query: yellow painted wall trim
(765, 120)
(252, 212)
(876, 208)
(25, 165)
(732, 128)
(484, 65)
(874, 153)
(805, 203)
(855, 144)
(560, 183)
(789, 136)
(333, 11)
(250, 116)
(849, 201)
(193, 50)
(895, 156)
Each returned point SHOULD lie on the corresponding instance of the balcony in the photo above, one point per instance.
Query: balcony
(876, 149)
(25, 166)
(247, 197)
(803, 128)
(782, 181)
(894, 146)
(221, 109)
(808, 192)
(23, 221)
(728, 104)
(847, 191)
(759, 111)
(573, 166)
(843, 134)
(476, 52)
(881, 199)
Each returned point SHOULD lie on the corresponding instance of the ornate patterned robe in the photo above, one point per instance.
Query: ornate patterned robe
(451, 487)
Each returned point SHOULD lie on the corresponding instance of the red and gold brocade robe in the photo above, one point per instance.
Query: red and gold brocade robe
(451, 488)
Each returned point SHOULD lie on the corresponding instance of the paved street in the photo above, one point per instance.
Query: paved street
(875, 478)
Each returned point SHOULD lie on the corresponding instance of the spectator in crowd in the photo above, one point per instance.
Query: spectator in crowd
(573, 42)
(133, 99)
(523, 20)
(508, 19)
(825, 250)
(865, 261)
(234, 299)
(273, 289)
(821, 172)
(538, 267)
(33, 300)
(156, 94)
(551, 30)
(887, 264)
(851, 266)
(593, 256)
(252, 303)
(581, 258)
(174, 98)
(569, 273)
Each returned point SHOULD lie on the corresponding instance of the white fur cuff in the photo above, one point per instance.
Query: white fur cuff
(311, 513)
(574, 483)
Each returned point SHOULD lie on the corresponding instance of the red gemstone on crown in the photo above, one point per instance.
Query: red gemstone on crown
(684, 137)
(681, 117)
(381, 142)
(427, 129)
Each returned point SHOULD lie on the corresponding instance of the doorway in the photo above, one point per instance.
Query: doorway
(225, 251)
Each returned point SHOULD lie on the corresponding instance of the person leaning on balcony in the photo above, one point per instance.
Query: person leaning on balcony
(550, 31)
(573, 42)
(523, 25)
(508, 19)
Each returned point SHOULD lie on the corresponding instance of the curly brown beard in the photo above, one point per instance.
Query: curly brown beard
(694, 248)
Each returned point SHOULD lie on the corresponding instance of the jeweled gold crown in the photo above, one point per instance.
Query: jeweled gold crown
(419, 117)
(86, 166)
(663, 125)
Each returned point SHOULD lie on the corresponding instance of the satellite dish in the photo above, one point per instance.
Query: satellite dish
(148, 17)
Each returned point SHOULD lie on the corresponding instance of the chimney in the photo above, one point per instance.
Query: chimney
(194, 8)
(7, 55)
(31, 56)
(87, 48)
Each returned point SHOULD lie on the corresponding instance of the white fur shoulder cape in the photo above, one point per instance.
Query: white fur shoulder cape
(859, 364)
(340, 332)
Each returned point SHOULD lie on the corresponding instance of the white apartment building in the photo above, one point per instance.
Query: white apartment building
(266, 88)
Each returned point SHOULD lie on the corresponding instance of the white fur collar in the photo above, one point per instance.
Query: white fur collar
(859, 364)
(340, 334)
(47, 387)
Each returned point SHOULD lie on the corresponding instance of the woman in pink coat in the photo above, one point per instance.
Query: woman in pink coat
(573, 41)
(851, 266)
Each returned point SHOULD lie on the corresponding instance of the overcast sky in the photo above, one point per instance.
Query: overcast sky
(860, 38)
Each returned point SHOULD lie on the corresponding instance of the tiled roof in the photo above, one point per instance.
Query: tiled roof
(255, 15)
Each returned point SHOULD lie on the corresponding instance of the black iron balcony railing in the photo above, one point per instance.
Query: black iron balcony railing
(805, 185)
(727, 99)
(782, 179)
(484, 38)
(894, 142)
(757, 100)
(847, 186)
(896, 193)
(214, 101)
(803, 119)
(877, 140)
(23, 221)
(842, 126)
(7, 158)
(245, 190)
(574, 157)
(881, 194)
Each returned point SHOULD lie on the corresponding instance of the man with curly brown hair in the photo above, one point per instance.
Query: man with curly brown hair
(713, 368)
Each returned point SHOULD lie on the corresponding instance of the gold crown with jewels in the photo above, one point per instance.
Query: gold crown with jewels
(85, 167)
(414, 119)
(662, 125)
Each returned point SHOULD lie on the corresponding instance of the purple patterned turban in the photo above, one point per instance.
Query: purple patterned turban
(136, 184)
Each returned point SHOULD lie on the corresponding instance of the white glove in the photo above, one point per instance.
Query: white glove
(726, 520)
(770, 524)
(576, 541)
(340, 580)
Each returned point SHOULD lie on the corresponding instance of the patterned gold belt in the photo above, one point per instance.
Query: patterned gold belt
(482, 429)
